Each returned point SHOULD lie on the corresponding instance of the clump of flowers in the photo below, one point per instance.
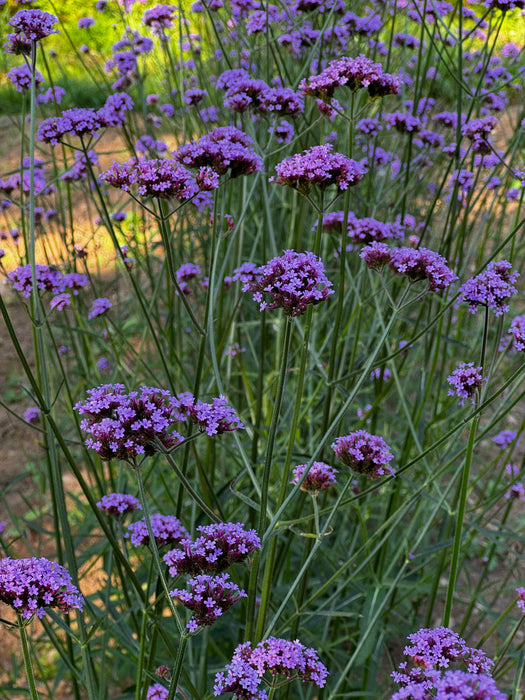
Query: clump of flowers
(217, 548)
(153, 178)
(30, 26)
(30, 586)
(517, 331)
(491, 288)
(354, 73)
(477, 130)
(521, 598)
(167, 529)
(429, 673)
(124, 425)
(318, 167)
(214, 418)
(504, 438)
(416, 264)
(99, 308)
(32, 415)
(223, 149)
(465, 381)
(157, 692)
(364, 453)
(209, 598)
(292, 281)
(270, 659)
(118, 504)
(319, 478)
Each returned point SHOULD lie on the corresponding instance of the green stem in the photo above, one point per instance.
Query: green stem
(178, 666)
(22, 624)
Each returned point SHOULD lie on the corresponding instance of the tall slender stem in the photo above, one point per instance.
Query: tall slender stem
(22, 625)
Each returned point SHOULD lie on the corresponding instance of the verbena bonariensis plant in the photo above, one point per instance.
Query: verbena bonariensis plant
(270, 266)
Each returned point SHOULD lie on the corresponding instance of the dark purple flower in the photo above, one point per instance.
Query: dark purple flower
(504, 438)
(85, 22)
(153, 178)
(491, 288)
(60, 301)
(459, 685)
(354, 73)
(118, 504)
(318, 167)
(416, 264)
(99, 307)
(465, 381)
(159, 18)
(209, 598)
(477, 130)
(30, 586)
(516, 492)
(20, 76)
(214, 418)
(167, 529)
(521, 599)
(124, 425)
(404, 123)
(364, 453)
(319, 478)
(157, 692)
(217, 548)
(47, 279)
(225, 148)
(32, 415)
(29, 26)
(273, 657)
(517, 331)
(292, 281)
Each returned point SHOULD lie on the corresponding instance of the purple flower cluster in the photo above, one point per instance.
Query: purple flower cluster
(167, 529)
(31, 585)
(29, 26)
(157, 692)
(118, 504)
(243, 93)
(465, 381)
(32, 415)
(273, 657)
(318, 167)
(217, 548)
(223, 149)
(20, 76)
(47, 279)
(477, 130)
(365, 230)
(319, 478)
(517, 331)
(364, 453)
(505, 438)
(354, 73)
(159, 17)
(430, 675)
(209, 598)
(124, 425)
(521, 598)
(292, 281)
(153, 178)
(82, 121)
(416, 264)
(99, 308)
(491, 288)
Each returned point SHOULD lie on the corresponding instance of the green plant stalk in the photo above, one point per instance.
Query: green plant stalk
(142, 638)
(175, 674)
(22, 624)
(155, 551)
(265, 481)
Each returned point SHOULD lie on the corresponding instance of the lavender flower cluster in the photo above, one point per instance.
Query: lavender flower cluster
(429, 672)
(292, 281)
(118, 504)
(167, 529)
(273, 658)
(223, 149)
(30, 26)
(162, 178)
(318, 167)
(209, 598)
(125, 425)
(354, 73)
(30, 586)
(492, 288)
(319, 478)
(215, 550)
(48, 279)
(465, 382)
(416, 264)
(364, 453)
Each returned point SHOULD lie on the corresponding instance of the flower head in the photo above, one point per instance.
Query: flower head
(118, 504)
(32, 415)
(273, 657)
(31, 585)
(99, 308)
(30, 26)
(319, 478)
(209, 598)
(223, 149)
(354, 73)
(292, 281)
(465, 381)
(505, 438)
(217, 548)
(364, 453)
(521, 598)
(167, 529)
(124, 425)
(517, 331)
(318, 167)
(491, 288)
(152, 178)
(157, 692)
